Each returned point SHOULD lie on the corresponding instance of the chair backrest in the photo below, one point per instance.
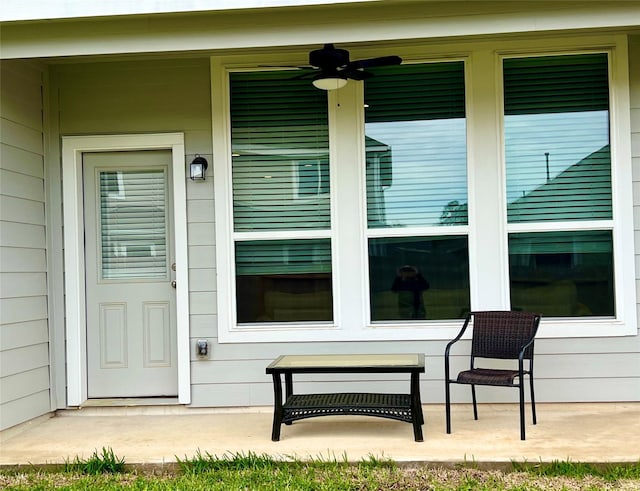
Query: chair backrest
(502, 334)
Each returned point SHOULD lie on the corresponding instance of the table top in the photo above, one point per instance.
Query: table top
(400, 362)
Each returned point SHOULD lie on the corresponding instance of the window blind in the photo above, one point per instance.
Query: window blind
(550, 84)
(273, 257)
(584, 242)
(557, 147)
(280, 152)
(133, 225)
(416, 145)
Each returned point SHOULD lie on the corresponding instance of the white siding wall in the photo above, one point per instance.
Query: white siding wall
(24, 338)
(173, 95)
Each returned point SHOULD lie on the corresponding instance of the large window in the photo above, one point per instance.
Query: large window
(416, 172)
(280, 181)
(389, 208)
(558, 163)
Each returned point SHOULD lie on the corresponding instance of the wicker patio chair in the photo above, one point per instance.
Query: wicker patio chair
(499, 335)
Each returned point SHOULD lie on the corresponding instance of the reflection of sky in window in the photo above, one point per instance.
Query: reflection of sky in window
(567, 137)
(429, 168)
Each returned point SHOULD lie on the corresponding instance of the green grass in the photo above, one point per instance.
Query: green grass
(250, 471)
(104, 463)
(608, 472)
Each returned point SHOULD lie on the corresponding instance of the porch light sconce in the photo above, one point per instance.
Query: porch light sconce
(329, 82)
(197, 168)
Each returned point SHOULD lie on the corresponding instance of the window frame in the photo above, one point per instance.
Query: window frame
(484, 142)
(620, 225)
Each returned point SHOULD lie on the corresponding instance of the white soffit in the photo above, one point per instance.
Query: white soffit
(25, 10)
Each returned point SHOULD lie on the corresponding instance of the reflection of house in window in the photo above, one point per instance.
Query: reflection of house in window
(311, 178)
(280, 187)
(580, 192)
(565, 273)
(113, 183)
(379, 178)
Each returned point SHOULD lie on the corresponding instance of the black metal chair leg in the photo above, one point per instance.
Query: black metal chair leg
(521, 389)
(475, 402)
(447, 405)
(533, 398)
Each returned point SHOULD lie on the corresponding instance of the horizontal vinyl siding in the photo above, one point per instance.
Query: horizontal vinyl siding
(634, 75)
(560, 363)
(20, 410)
(151, 97)
(137, 97)
(567, 370)
(24, 337)
(173, 95)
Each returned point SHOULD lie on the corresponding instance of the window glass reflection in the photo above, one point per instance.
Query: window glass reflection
(416, 146)
(413, 278)
(284, 281)
(562, 274)
(556, 130)
(280, 151)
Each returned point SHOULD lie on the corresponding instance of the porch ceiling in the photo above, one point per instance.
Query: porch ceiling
(214, 32)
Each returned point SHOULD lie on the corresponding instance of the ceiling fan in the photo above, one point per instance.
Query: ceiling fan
(333, 67)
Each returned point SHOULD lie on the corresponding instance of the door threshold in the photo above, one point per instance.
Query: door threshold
(131, 401)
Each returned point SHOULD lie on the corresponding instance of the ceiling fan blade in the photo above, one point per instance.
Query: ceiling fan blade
(288, 67)
(374, 62)
(306, 74)
(356, 74)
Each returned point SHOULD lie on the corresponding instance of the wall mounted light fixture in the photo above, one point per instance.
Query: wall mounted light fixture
(197, 168)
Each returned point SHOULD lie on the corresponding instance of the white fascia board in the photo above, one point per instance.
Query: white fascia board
(30, 10)
(219, 31)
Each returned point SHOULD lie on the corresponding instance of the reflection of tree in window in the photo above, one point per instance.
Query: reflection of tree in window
(416, 111)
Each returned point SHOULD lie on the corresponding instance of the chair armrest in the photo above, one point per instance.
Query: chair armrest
(452, 342)
(530, 341)
(457, 338)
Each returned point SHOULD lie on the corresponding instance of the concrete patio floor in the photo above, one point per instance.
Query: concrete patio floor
(594, 432)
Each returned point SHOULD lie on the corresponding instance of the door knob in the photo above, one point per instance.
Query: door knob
(173, 283)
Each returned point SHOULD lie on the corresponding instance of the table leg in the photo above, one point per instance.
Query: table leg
(277, 407)
(416, 409)
(288, 389)
(288, 384)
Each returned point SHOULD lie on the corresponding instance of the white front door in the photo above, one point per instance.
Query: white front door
(130, 282)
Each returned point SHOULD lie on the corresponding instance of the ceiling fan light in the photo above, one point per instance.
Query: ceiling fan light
(329, 82)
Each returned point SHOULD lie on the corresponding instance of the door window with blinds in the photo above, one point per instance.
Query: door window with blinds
(559, 192)
(281, 199)
(133, 224)
(416, 181)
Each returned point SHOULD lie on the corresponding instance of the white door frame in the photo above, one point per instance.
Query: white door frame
(74, 284)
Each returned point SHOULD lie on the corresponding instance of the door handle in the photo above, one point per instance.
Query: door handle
(173, 283)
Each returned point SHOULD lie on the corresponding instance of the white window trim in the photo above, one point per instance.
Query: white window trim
(75, 325)
(625, 322)
(351, 304)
